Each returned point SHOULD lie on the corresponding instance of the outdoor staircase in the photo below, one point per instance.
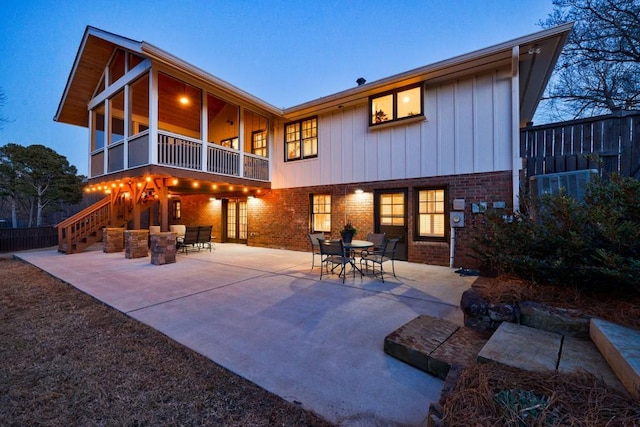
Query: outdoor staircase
(83, 229)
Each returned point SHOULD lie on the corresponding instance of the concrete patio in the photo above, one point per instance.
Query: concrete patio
(263, 314)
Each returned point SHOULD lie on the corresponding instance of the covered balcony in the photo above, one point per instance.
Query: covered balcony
(157, 119)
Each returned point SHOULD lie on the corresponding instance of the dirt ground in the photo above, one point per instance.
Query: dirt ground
(67, 359)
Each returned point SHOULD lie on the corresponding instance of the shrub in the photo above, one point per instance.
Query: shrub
(593, 244)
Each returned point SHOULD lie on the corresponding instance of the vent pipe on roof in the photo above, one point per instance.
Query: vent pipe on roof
(361, 81)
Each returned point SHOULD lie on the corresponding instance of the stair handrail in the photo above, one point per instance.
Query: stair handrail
(73, 229)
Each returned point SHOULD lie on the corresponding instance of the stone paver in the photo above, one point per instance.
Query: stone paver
(522, 347)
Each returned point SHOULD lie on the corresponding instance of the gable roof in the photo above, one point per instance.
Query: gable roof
(535, 70)
(537, 56)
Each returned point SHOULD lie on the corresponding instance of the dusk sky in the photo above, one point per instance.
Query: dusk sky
(284, 52)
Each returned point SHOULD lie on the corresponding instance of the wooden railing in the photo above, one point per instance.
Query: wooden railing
(180, 152)
(256, 167)
(223, 160)
(610, 143)
(84, 228)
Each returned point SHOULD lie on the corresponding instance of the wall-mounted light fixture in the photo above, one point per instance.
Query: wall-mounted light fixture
(359, 191)
(230, 122)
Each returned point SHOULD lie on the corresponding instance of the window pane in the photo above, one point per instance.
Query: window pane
(116, 68)
(134, 60)
(255, 124)
(139, 114)
(321, 212)
(409, 102)
(97, 122)
(222, 122)
(259, 143)
(431, 211)
(382, 109)
(116, 115)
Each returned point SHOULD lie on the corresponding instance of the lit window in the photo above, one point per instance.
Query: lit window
(259, 143)
(321, 212)
(431, 213)
(397, 105)
(392, 209)
(301, 139)
(177, 209)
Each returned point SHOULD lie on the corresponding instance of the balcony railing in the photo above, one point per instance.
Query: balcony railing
(181, 152)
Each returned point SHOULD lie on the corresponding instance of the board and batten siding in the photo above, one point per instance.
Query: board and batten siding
(467, 130)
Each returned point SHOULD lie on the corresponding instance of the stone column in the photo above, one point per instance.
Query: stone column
(112, 240)
(163, 248)
(136, 243)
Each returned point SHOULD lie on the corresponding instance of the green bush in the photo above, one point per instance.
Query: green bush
(593, 244)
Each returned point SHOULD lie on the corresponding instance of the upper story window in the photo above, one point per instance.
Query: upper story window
(397, 105)
(301, 139)
(259, 143)
(431, 222)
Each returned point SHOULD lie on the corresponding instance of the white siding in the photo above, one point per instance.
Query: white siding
(467, 130)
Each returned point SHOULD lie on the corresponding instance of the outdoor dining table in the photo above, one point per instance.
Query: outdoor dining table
(354, 245)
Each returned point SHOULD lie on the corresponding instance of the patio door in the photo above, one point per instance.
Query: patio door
(235, 216)
(390, 216)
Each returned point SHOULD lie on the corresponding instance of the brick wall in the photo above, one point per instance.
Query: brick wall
(199, 210)
(280, 218)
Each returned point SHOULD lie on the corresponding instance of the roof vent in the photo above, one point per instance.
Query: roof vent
(361, 81)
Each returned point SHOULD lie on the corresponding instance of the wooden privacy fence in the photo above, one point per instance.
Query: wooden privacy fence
(20, 239)
(610, 143)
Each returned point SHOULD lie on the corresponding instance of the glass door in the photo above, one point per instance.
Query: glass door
(235, 213)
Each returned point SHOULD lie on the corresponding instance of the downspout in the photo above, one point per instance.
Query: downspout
(452, 247)
(516, 161)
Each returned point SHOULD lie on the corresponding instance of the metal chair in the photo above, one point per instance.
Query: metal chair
(315, 247)
(332, 253)
(388, 253)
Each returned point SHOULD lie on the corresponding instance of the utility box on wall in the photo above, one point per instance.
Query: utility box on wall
(456, 219)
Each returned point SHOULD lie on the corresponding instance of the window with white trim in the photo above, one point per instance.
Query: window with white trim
(301, 139)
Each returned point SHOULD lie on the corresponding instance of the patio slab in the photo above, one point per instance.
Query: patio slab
(265, 315)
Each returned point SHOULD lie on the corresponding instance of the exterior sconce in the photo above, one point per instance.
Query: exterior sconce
(359, 191)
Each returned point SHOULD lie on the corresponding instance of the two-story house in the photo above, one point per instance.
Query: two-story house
(418, 155)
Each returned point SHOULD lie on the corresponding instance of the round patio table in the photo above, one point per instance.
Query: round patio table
(352, 246)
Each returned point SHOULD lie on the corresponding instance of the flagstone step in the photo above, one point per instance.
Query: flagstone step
(434, 345)
(620, 346)
(533, 349)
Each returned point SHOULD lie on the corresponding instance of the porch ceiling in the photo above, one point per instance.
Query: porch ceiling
(182, 182)
(92, 57)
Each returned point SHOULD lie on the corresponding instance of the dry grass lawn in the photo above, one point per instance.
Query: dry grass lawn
(66, 359)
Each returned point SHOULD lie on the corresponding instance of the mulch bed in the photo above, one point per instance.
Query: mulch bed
(67, 359)
(492, 395)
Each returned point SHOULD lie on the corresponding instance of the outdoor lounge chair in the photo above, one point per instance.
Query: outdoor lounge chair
(190, 239)
(373, 257)
(334, 254)
(204, 236)
(315, 246)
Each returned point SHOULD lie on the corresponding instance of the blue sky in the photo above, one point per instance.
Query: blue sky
(284, 52)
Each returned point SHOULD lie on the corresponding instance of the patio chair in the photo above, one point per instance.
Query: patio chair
(378, 240)
(190, 239)
(332, 253)
(388, 253)
(315, 247)
(204, 236)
